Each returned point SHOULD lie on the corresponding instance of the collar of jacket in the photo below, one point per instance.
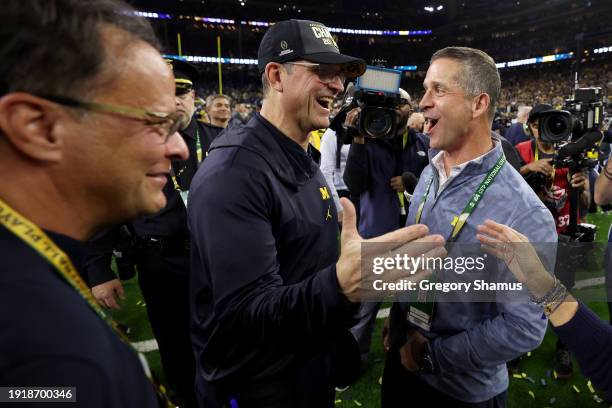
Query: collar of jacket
(483, 164)
(190, 130)
(289, 162)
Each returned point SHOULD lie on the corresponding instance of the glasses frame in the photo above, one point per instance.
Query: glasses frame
(169, 122)
(316, 68)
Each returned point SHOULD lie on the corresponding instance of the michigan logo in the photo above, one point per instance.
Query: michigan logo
(324, 193)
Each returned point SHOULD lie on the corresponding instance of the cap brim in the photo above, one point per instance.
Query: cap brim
(352, 67)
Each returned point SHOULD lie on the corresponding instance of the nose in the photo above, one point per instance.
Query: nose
(336, 84)
(176, 148)
(426, 100)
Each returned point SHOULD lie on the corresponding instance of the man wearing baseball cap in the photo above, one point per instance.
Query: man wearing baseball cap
(271, 303)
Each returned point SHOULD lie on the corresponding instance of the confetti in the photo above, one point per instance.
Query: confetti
(576, 389)
(591, 387)
(597, 399)
(555, 374)
(380, 380)
(524, 375)
(531, 393)
(357, 403)
(529, 354)
(338, 402)
(517, 376)
(543, 382)
(531, 380)
(552, 401)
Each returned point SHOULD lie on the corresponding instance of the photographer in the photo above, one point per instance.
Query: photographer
(373, 172)
(552, 185)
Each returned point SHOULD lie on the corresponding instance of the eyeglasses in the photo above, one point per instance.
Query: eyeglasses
(166, 124)
(326, 72)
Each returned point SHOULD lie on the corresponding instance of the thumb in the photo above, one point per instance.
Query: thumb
(349, 219)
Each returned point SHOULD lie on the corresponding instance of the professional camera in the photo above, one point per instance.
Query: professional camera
(581, 115)
(376, 92)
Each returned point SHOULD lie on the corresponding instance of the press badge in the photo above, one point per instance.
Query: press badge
(421, 309)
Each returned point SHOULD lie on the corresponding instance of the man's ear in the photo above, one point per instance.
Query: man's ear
(273, 74)
(30, 124)
(480, 105)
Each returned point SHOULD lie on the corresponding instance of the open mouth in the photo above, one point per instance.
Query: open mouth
(432, 123)
(325, 102)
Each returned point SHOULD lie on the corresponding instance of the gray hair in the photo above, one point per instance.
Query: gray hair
(479, 74)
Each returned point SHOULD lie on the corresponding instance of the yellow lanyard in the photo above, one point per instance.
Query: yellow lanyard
(36, 238)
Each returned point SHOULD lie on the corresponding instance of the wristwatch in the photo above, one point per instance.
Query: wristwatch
(425, 360)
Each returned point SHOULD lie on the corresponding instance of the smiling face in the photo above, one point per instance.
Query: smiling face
(123, 163)
(446, 105)
(307, 98)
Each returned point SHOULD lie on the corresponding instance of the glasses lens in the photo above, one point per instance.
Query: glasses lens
(174, 123)
(328, 72)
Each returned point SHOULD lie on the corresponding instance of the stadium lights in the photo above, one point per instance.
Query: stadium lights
(602, 50)
(430, 9)
(440, 7)
(352, 31)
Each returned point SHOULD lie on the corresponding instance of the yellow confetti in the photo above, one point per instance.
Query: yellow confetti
(555, 374)
(529, 354)
(576, 389)
(591, 387)
(380, 380)
(520, 377)
(532, 394)
(357, 403)
(524, 375)
(338, 402)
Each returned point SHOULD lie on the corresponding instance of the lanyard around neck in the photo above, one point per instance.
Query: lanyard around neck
(174, 175)
(36, 238)
(459, 222)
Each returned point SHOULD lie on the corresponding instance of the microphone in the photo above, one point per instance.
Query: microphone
(410, 181)
(585, 143)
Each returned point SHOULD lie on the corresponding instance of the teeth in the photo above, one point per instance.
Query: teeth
(325, 101)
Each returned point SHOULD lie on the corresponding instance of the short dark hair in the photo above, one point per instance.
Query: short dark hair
(56, 46)
(479, 73)
(211, 98)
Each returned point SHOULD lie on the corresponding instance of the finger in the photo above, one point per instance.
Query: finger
(403, 235)
(120, 291)
(494, 250)
(112, 303)
(349, 220)
(492, 229)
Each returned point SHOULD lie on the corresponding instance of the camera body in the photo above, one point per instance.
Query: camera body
(377, 94)
(580, 115)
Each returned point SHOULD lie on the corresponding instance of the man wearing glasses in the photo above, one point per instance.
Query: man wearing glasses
(158, 245)
(271, 302)
(69, 167)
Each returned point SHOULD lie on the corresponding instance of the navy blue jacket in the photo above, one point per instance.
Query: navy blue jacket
(264, 291)
(516, 134)
(369, 169)
(51, 337)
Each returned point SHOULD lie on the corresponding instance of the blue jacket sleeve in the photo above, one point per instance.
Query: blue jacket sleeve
(234, 233)
(590, 340)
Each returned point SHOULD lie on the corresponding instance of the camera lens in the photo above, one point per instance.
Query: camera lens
(377, 122)
(555, 127)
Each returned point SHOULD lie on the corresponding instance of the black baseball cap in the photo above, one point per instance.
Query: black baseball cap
(537, 110)
(290, 40)
(185, 75)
